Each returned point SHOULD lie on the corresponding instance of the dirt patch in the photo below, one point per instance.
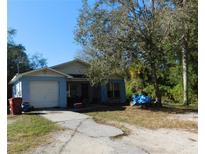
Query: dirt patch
(157, 141)
(11, 119)
(192, 116)
(126, 131)
(163, 141)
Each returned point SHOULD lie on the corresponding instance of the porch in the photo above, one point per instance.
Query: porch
(81, 91)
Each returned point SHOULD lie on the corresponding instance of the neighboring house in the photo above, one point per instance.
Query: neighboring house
(63, 85)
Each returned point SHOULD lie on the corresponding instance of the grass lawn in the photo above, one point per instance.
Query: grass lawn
(152, 119)
(28, 131)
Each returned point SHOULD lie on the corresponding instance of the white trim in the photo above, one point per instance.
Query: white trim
(17, 76)
(26, 73)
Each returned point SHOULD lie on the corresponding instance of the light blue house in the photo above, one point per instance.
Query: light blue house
(63, 84)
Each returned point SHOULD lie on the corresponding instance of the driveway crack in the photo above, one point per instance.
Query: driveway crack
(72, 135)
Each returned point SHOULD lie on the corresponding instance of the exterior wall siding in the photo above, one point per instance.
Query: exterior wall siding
(62, 85)
(73, 68)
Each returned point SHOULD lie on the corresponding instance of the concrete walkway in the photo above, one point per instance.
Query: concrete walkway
(84, 135)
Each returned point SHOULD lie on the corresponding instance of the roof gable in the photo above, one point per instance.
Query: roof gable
(40, 72)
(72, 67)
(70, 62)
(46, 72)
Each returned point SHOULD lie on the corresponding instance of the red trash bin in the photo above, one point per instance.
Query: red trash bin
(15, 105)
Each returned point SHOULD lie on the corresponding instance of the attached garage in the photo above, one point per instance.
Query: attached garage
(44, 93)
(43, 88)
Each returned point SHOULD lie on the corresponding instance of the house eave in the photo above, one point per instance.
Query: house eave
(78, 79)
(19, 76)
(15, 78)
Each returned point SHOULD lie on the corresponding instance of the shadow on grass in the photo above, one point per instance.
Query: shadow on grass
(34, 113)
(176, 109)
(40, 111)
(173, 109)
(101, 108)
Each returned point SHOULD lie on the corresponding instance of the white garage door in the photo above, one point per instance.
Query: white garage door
(44, 93)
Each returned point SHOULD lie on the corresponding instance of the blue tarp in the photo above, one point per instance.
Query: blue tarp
(141, 99)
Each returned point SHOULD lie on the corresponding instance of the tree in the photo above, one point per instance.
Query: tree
(37, 61)
(119, 32)
(189, 25)
(115, 34)
(185, 36)
(18, 61)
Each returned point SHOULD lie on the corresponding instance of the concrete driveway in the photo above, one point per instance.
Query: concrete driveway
(83, 135)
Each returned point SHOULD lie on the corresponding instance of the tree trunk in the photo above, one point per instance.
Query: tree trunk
(156, 87)
(185, 63)
(185, 72)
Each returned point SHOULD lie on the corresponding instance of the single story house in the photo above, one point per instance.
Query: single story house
(59, 85)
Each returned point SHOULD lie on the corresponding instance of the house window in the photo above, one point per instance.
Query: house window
(72, 90)
(113, 90)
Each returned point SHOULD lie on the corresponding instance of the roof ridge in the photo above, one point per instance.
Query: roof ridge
(76, 59)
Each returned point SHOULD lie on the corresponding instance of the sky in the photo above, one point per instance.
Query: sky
(46, 27)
